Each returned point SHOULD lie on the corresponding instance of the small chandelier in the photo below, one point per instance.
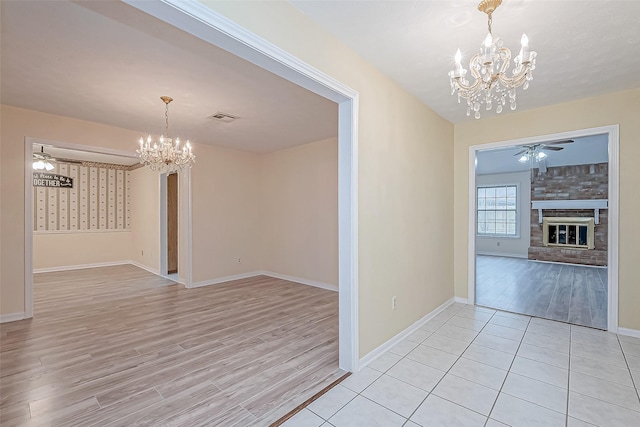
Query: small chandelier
(489, 69)
(165, 155)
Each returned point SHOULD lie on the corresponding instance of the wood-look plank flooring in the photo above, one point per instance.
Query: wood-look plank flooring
(568, 293)
(118, 346)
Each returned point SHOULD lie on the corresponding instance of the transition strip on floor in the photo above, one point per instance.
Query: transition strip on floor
(309, 401)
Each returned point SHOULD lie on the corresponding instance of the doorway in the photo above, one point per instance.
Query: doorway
(220, 31)
(513, 264)
(78, 209)
(172, 223)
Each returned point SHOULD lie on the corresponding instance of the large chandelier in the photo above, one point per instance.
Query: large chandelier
(489, 68)
(165, 155)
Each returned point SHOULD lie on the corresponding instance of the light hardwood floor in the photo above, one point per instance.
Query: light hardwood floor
(118, 346)
(568, 293)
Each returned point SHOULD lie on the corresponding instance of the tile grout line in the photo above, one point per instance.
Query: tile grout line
(445, 374)
(448, 370)
(628, 367)
(566, 419)
(508, 371)
(572, 332)
(459, 357)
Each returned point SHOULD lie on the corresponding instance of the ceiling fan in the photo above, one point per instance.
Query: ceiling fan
(536, 152)
(44, 161)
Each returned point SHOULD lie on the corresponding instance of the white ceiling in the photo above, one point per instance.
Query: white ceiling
(583, 151)
(108, 62)
(585, 47)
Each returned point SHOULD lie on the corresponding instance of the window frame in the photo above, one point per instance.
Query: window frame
(516, 210)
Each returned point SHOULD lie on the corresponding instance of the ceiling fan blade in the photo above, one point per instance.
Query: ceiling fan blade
(562, 141)
(521, 152)
(553, 148)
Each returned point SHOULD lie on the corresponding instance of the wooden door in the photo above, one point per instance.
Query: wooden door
(172, 223)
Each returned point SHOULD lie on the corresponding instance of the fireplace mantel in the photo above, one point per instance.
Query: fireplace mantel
(595, 204)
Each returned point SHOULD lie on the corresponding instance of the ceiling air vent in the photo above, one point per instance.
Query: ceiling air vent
(223, 117)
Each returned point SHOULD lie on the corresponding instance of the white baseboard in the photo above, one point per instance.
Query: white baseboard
(629, 332)
(225, 279)
(80, 266)
(12, 317)
(308, 282)
(502, 254)
(265, 273)
(567, 263)
(379, 351)
(144, 267)
(104, 264)
(461, 300)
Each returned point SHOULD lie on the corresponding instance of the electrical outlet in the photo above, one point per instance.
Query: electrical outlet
(498, 243)
(239, 260)
(394, 302)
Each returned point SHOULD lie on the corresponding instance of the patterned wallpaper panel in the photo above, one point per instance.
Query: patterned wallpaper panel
(99, 200)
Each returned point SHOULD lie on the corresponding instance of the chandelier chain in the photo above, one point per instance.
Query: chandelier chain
(166, 120)
(489, 21)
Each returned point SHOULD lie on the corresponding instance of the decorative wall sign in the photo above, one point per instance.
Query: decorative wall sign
(44, 179)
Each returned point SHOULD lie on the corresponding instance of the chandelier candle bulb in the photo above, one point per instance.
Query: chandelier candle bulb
(458, 58)
(524, 50)
(487, 49)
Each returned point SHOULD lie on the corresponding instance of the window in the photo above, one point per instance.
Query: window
(497, 211)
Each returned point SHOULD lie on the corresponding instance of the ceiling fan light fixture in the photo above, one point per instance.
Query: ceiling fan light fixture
(541, 155)
(42, 161)
(523, 159)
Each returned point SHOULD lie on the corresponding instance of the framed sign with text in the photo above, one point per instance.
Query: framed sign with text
(45, 179)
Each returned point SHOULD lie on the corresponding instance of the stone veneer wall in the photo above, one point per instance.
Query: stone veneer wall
(579, 182)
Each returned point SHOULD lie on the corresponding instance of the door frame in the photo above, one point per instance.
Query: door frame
(208, 25)
(613, 133)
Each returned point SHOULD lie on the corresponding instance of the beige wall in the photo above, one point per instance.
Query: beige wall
(145, 218)
(405, 176)
(17, 124)
(226, 208)
(299, 211)
(621, 108)
(274, 212)
(225, 186)
(52, 250)
(140, 243)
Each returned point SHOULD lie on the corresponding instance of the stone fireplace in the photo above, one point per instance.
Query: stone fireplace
(569, 215)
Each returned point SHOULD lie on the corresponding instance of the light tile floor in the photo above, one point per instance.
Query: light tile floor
(472, 366)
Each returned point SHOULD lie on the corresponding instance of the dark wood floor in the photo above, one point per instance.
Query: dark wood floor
(118, 346)
(568, 293)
